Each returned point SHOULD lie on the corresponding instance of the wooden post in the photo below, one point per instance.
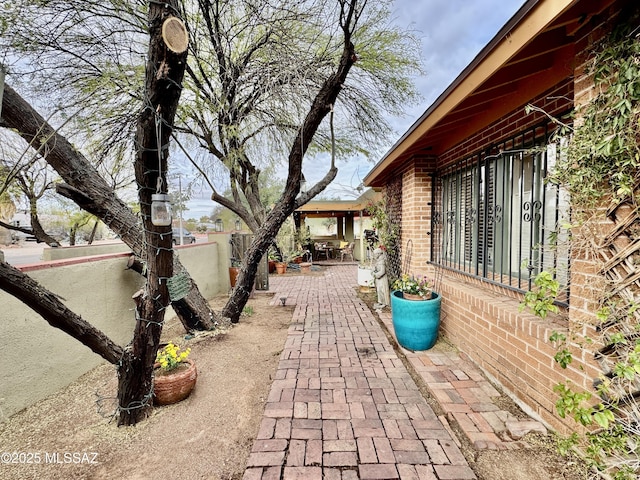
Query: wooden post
(241, 242)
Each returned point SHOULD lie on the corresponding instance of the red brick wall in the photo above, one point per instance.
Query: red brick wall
(513, 347)
(556, 102)
(484, 320)
(416, 217)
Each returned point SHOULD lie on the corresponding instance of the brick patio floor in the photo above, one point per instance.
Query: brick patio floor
(343, 406)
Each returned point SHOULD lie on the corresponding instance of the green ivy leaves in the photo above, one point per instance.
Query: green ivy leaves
(603, 155)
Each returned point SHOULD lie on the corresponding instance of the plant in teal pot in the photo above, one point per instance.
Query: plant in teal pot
(415, 312)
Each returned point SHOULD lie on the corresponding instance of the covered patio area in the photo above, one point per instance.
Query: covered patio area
(334, 225)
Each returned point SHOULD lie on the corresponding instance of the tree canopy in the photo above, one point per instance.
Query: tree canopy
(253, 70)
(261, 81)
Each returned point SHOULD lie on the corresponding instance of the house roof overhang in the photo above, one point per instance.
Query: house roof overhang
(530, 54)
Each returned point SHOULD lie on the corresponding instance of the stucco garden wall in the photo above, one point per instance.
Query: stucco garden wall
(38, 359)
(62, 253)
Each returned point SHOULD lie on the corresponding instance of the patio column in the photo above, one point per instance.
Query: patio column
(348, 234)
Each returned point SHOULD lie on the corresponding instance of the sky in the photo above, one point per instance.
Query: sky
(452, 33)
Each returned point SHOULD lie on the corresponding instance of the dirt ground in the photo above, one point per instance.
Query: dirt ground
(208, 435)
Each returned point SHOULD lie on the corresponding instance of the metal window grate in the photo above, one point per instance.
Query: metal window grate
(496, 218)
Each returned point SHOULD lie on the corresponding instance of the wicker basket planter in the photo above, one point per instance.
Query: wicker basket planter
(175, 385)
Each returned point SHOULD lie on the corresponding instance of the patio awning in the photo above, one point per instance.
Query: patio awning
(338, 208)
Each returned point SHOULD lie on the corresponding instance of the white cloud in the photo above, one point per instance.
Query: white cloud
(453, 32)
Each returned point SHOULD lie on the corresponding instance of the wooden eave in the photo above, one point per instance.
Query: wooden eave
(533, 52)
(329, 208)
(337, 208)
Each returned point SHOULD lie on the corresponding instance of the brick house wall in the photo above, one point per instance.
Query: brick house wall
(483, 320)
(416, 218)
(555, 102)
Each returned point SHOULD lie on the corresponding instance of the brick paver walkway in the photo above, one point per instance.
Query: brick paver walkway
(467, 397)
(342, 405)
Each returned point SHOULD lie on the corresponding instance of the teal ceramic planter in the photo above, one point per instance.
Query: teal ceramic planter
(415, 322)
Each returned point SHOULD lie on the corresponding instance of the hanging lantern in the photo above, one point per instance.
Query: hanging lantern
(303, 185)
(160, 210)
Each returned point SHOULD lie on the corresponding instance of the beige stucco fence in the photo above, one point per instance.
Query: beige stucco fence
(37, 359)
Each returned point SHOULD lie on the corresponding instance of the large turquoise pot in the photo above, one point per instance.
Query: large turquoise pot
(415, 322)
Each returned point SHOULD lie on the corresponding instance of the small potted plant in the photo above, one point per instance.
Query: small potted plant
(297, 256)
(273, 259)
(414, 288)
(415, 312)
(174, 375)
(234, 271)
(281, 267)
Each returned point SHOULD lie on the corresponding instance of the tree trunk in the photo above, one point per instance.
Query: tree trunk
(39, 232)
(321, 106)
(164, 73)
(100, 199)
(72, 234)
(92, 236)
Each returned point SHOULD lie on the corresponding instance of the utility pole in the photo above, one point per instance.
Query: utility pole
(2, 73)
(181, 207)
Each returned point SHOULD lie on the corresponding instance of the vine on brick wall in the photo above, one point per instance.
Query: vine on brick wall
(393, 200)
(603, 165)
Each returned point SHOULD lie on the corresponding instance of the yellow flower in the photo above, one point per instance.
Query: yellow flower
(170, 356)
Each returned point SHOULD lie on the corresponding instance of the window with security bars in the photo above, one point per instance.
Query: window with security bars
(495, 216)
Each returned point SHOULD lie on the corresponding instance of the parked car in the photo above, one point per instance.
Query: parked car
(187, 236)
(17, 236)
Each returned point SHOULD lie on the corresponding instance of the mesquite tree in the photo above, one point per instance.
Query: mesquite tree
(256, 79)
(164, 72)
(165, 69)
(91, 192)
(262, 85)
(323, 104)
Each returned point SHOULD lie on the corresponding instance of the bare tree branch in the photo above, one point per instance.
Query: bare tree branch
(49, 306)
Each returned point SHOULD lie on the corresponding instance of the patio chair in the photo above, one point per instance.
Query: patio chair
(321, 250)
(348, 250)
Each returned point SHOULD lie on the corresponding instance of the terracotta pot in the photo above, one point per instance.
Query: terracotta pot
(233, 275)
(281, 268)
(413, 296)
(272, 266)
(175, 385)
(305, 267)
